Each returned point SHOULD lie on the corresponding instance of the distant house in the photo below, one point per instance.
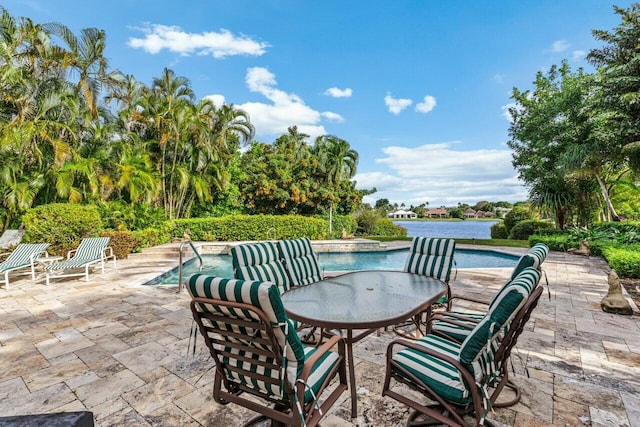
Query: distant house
(485, 214)
(437, 213)
(470, 213)
(500, 211)
(402, 214)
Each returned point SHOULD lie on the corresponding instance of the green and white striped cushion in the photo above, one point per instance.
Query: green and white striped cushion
(455, 331)
(259, 261)
(539, 251)
(262, 295)
(431, 257)
(477, 350)
(91, 249)
(525, 261)
(23, 255)
(300, 260)
(442, 377)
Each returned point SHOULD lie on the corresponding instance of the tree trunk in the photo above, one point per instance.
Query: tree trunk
(607, 199)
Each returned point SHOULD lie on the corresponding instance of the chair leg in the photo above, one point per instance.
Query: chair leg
(6, 280)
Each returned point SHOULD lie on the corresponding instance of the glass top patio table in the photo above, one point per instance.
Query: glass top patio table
(362, 299)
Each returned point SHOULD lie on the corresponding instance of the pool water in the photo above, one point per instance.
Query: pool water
(220, 265)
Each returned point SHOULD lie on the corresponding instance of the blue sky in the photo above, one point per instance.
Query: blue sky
(418, 88)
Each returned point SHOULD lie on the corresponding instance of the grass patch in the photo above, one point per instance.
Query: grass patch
(485, 242)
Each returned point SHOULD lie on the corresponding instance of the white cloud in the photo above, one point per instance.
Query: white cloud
(442, 175)
(505, 111)
(396, 105)
(338, 93)
(218, 100)
(218, 44)
(559, 46)
(284, 110)
(332, 116)
(428, 104)
(576, 55)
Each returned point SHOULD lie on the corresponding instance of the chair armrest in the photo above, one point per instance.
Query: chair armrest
(321, 351)
(108, 249)
(71, 253)
(470, 299)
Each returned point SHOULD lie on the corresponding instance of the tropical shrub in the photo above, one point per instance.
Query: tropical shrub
(386, 227)
(515, 215)
(555, 242)
(524, 229)
(122, 216)
(149, 237)
(122, 242)
(367, 221)
(62, 225)
(499, 231)
(624, 260)
(348, 222)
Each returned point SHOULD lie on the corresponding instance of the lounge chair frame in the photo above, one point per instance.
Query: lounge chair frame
(35, 250)
(106, 255)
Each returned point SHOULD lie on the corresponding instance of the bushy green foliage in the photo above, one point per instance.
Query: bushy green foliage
(122, 216)
(499, 231)
(524, 229)
(367, 221)
(348, 222)
(252, 227)
(625, 260)
(62, 225)
(122, 242)
(555, 242)
(149, 237)
(386, 227)
(515, 215)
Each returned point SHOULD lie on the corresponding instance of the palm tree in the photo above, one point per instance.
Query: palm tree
(339, 161)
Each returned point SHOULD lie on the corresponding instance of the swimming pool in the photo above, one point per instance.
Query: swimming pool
(220, 265)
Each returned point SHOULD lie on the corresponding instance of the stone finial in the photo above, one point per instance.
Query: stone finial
(584, 249)
(615, 302)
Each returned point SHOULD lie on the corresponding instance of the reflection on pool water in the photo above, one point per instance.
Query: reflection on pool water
(220, 265)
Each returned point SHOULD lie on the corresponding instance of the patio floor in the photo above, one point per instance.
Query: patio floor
(119, 349)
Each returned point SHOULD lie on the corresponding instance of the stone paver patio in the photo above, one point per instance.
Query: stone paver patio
(120, 350)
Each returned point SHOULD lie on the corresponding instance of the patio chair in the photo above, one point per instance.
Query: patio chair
(257, 352)
(433, 258)
(463, 378)
(259, 261)
(91, 251)
(23, 256)
(429, 257)
(456, 323)
(300, 261)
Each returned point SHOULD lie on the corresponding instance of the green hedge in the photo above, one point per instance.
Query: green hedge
(499, 231)
(524, 229)
(624, 260)
(386, 227)
(122, 242)
(555, 242)
(62, 225)
(252, 227)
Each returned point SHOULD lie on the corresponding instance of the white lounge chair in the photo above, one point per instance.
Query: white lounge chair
(23, 256)
(92, 250)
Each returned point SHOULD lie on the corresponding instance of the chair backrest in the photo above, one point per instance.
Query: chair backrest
(300, 260)
(539, 251)
(248, 333)
(259, 261)
(431, 257)
(92, 247)
(24, 253)
(478, 351)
